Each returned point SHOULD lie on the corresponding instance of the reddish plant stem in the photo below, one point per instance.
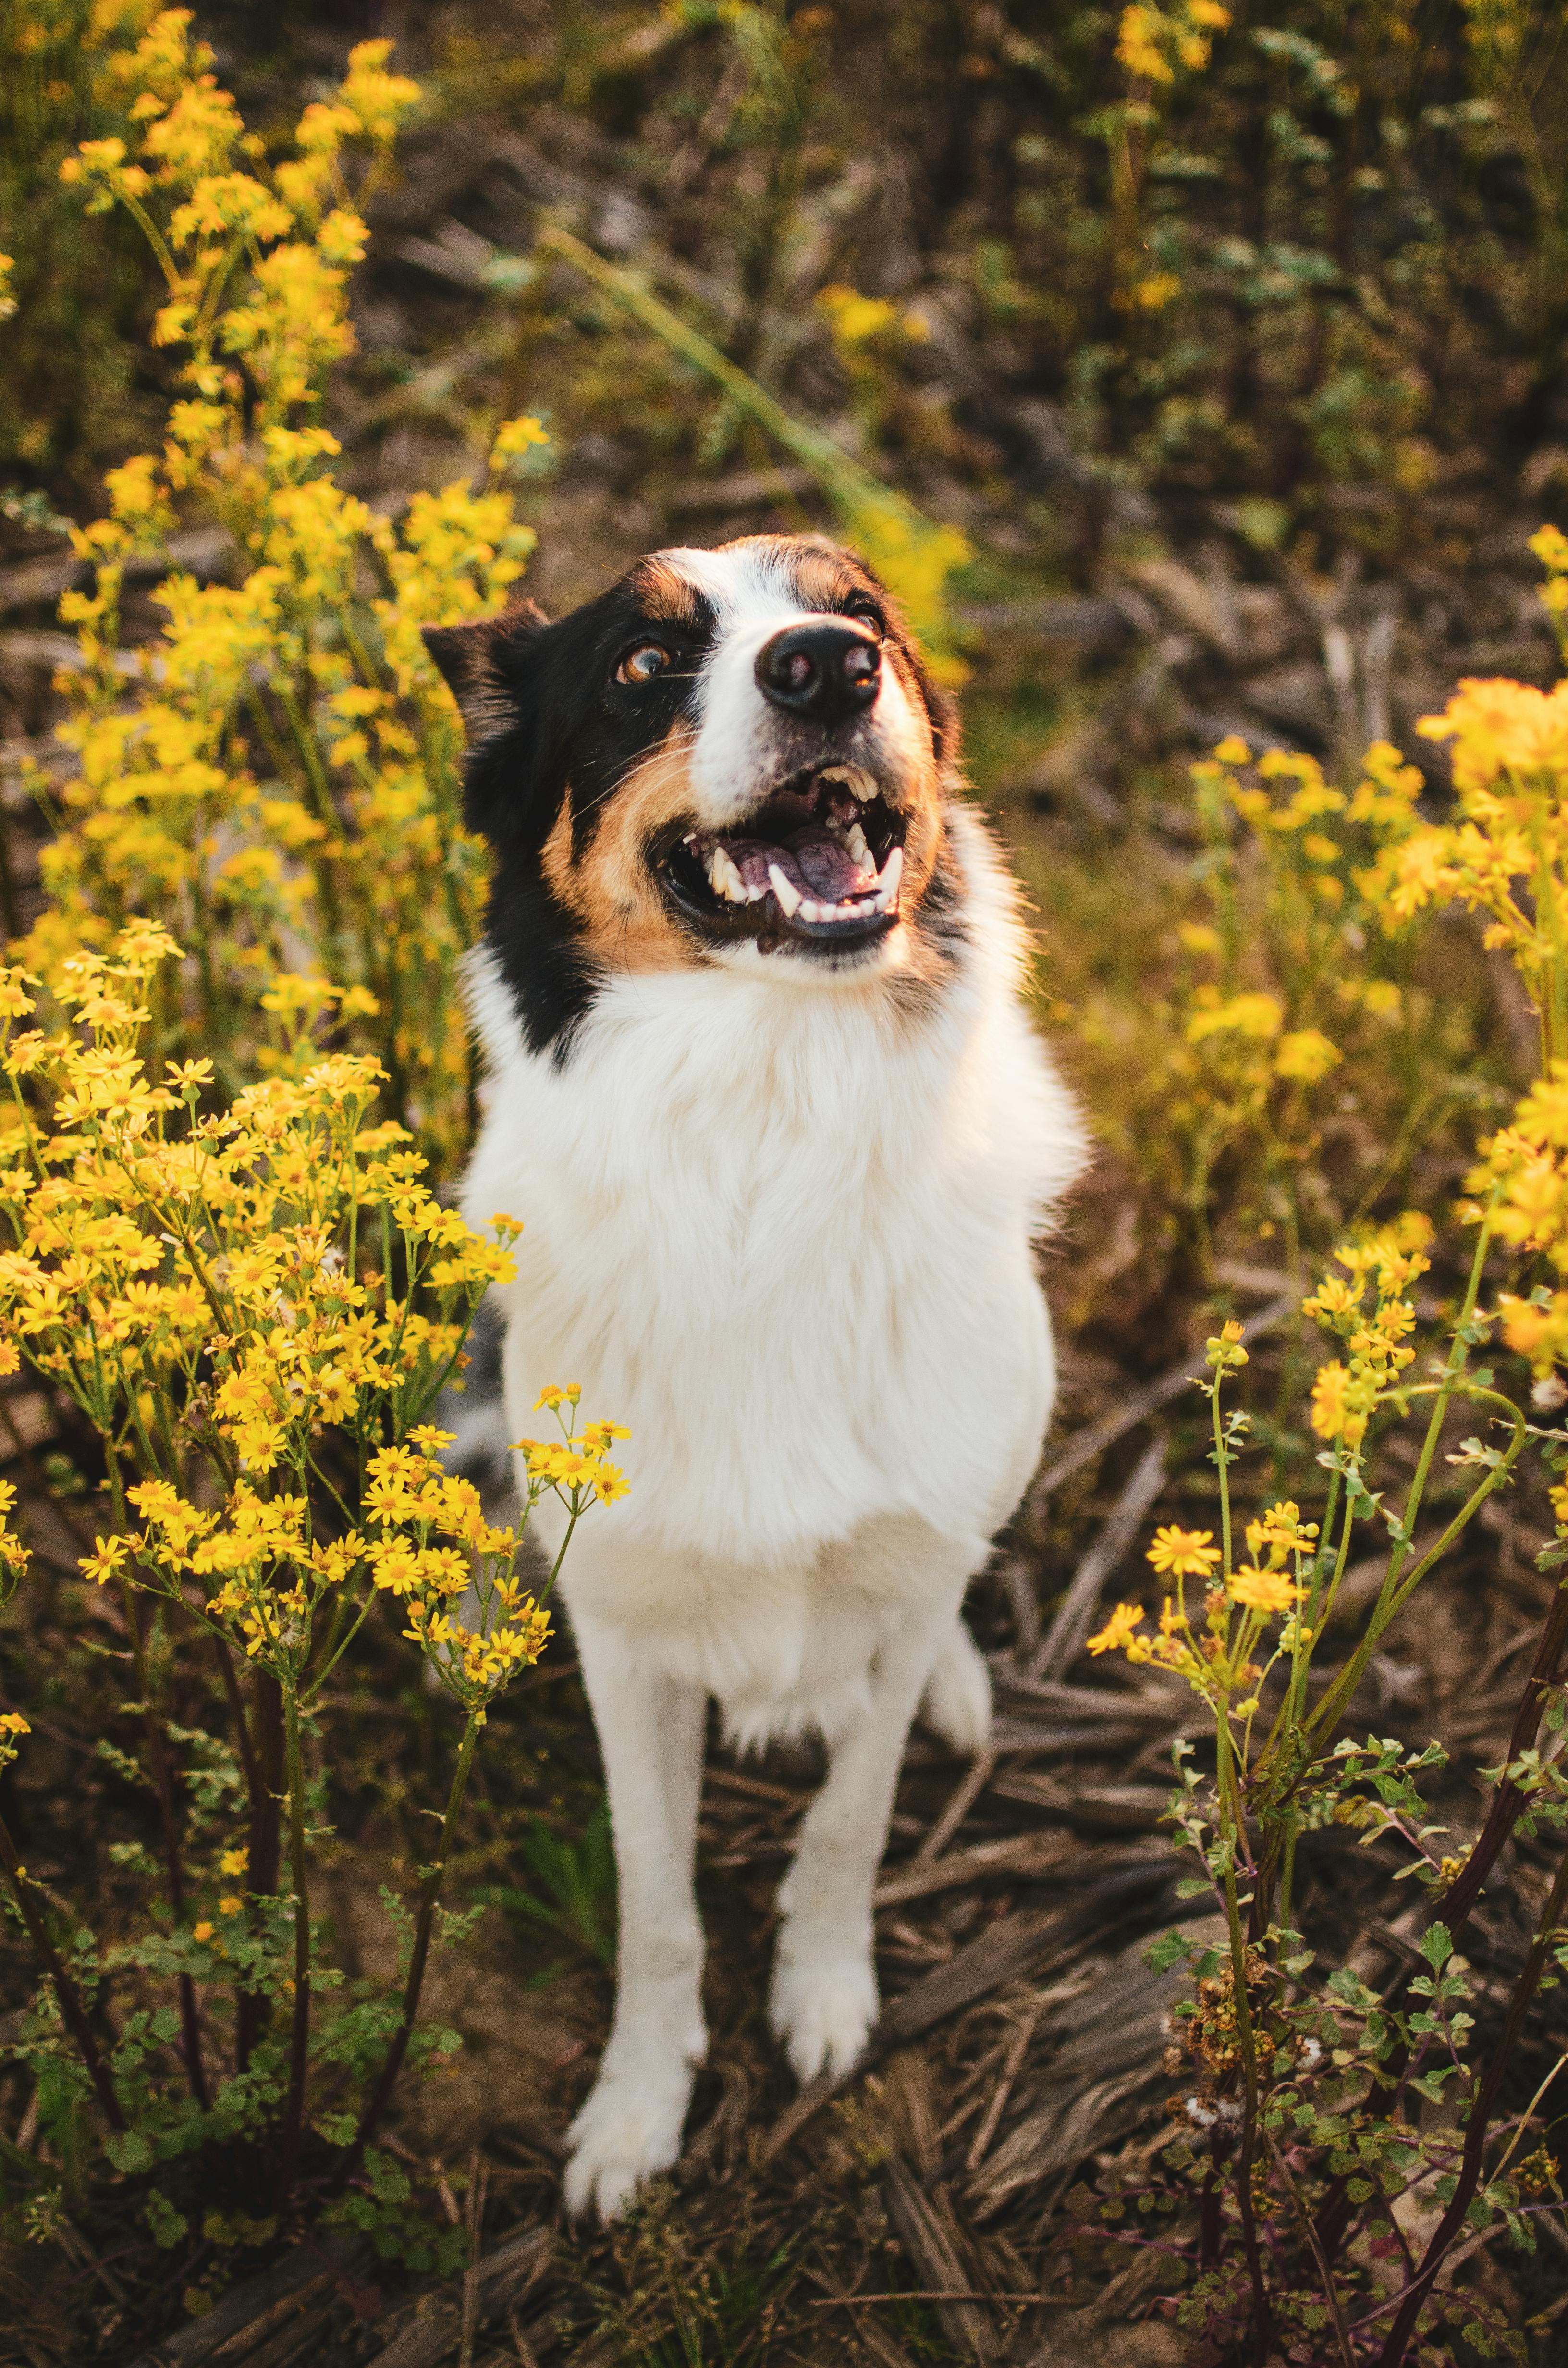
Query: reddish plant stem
(243, 1743)
(429, 1897)
(264, 1778)
(73, 2014)
(1208, 2207)
(292, 2125)
(1509, 1801)
(1453, 2220)
(163, 1775)
(1509, 1804)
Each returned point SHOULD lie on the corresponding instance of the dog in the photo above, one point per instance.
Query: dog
(763, 1086)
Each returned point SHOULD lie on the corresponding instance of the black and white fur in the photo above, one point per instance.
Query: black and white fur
(783, 1171)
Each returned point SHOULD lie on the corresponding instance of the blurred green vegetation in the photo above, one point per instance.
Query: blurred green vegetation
(1320, 276)
(74, 391)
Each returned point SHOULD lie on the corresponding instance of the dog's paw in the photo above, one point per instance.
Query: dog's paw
(957, 1703)
(627, 2132)
(823, 2007)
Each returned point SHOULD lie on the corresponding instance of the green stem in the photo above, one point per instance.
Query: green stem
(1222, 1463)
(1325, 1718)
(308, 1697)
(1453, 1373)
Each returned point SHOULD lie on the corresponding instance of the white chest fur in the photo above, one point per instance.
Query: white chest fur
(784, 1232)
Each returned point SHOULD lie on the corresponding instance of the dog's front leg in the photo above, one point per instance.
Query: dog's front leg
(823, 1998)
(651, 1732)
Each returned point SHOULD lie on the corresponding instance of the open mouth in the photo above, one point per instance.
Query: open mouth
(820, 860)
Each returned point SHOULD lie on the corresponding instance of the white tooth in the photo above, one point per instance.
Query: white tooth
(854, 841)
(811, 911)
(789, 895)
(756, 895)
(890, 873)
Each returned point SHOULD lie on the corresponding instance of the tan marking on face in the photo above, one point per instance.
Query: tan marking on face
(626, 919)
(824, 580)
(664, 593)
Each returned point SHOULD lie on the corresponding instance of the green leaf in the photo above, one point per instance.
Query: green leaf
(168, 2224)
(1437, 1945)
(129, 2149)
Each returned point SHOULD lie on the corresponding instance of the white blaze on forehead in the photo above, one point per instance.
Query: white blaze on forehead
(735, 759)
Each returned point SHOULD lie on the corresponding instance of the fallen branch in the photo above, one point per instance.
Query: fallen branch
(1018, 1855)
(496, 2285)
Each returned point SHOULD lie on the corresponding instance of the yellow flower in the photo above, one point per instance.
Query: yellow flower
(1257, 1015)
(1184, 1554)
(1340, 1405)
(201, 1932)
(1501, 727)
(233, 1862)
(517, 436)
(1224, 1349)
(1305, 1056)
(1332, 1298)
(105, 1560)
(1119, 1630)
(231, 1906)
(1263, 1590)
(1283, 1529)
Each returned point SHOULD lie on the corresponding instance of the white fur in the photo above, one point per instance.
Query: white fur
(753, 598)
(786, 1235)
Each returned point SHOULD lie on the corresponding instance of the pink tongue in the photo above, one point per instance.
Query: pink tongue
(814, 863)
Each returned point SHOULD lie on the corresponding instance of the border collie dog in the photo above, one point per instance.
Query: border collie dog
(763, 1086)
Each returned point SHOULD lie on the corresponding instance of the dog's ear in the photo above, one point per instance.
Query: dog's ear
(487, 666)
(467, 657)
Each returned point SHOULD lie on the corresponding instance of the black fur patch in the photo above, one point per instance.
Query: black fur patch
(548, 720)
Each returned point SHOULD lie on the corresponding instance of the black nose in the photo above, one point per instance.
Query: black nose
(827, 673)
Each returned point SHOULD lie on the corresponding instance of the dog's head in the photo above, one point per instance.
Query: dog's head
(734, 757)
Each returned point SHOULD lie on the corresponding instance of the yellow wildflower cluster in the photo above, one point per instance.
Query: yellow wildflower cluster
(1505, 848)
(858, 321)
(203, 1279)
(1550, 546)
(1276, 995)
(1521, 1181)
(1379, 1268)
(1154, 40)
(1216, 1658)
(283, 768)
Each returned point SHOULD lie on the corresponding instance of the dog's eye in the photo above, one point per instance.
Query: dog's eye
(864, 614)
(642, 663)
